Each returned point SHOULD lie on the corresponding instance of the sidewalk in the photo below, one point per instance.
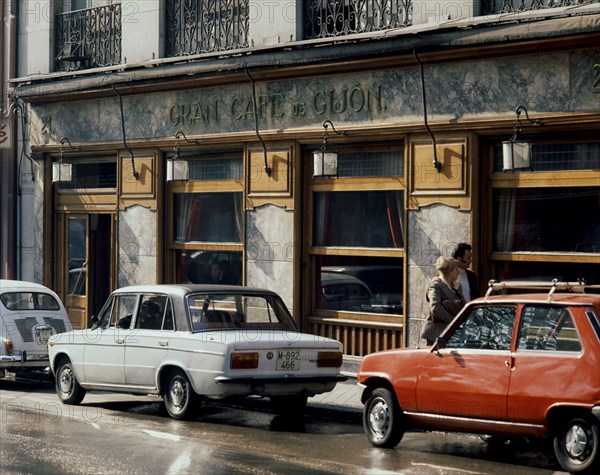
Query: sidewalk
(343, 402)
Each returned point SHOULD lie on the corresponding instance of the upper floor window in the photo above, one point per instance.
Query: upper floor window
(491, 7)
(88, 35)
(202, 26)
(325, 18)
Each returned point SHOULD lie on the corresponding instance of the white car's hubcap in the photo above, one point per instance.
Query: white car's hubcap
(177, 393)
(66, 380)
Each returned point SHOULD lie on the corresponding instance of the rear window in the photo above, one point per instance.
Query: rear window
(29, 301)
(231, 311)
(548, 328)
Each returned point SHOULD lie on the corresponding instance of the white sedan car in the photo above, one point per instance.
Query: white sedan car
(188, 342)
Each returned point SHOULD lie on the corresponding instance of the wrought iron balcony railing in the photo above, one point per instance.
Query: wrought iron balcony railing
(325, 18)
(88, 38)
(204, 26)
(491, 7)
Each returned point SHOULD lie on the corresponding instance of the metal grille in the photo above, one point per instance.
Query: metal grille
(219, 169)
(558, 157)
(491, 7)
(88, 38)
(91, 176)
(203, 26)
(370, 164)
(325, 18)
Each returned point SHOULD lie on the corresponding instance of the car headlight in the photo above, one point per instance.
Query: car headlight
(244, 360)
(329, 359)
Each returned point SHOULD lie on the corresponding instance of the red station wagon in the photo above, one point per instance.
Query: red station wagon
(525, 365)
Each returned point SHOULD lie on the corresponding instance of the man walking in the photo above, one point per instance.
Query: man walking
(467, 278)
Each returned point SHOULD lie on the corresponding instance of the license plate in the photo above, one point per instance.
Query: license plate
(288, 360)
(43, 334)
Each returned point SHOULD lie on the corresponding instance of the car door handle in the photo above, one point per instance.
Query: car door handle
(120, 341)
(163, 343)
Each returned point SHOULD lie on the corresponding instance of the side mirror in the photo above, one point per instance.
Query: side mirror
(95, 322)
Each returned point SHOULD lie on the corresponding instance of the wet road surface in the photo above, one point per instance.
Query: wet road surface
(113, 433)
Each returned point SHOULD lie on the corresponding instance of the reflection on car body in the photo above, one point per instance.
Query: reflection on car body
(520, 365)
(185, 342)
(384, 284)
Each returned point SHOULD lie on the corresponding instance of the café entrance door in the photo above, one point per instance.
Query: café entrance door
(86, 263)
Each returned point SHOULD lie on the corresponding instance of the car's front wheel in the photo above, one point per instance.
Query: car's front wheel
(382, 419)
(67, 387)
(181, 401)
(576, 446)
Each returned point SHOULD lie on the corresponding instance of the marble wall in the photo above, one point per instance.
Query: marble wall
(270, 251)
(137, 246)
(433, 231)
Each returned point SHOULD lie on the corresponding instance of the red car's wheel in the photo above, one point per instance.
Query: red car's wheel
(382, 419)
(576, 446)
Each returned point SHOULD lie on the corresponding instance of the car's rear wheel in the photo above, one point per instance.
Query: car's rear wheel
(576, 446)
(181, 401)
(382, 419)
(67, 387)
(289, 406)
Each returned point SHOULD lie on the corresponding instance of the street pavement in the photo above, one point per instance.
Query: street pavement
(343, 402)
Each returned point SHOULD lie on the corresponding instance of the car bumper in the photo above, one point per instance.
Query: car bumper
(280, 380)
(24, 360)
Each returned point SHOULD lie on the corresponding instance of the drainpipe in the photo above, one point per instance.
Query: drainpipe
(8, 32)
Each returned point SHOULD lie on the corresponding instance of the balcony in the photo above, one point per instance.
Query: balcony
(206, 26)
(88, 38)
(491, 7)
(329, 18)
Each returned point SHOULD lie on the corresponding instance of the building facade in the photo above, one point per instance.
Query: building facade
(250, 100)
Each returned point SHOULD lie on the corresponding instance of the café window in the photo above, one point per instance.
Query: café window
(545, 221)
(208, 221)
(357, 242)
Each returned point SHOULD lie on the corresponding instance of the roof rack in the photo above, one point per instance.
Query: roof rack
(576, 287)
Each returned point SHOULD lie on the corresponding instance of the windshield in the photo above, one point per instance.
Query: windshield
(230, 311)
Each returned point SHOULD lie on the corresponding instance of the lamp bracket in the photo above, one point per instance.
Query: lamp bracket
(517, 124)
(180, 134)
(62, 147)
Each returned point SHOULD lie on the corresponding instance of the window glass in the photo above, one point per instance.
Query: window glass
(359, 219)
(354, 164)
(558, 157)
(226, 311)
(216, 169)
(29, 301)
(118, 311)
(208, 217)
(91, 176)
(548, 328)
(151, 312)
(547, 272)
(486, 327)
(543, 219)
(209, 267)
(362, 284)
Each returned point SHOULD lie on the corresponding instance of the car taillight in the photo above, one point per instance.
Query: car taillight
(329, 359)
(8, 346)
(244, 360)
